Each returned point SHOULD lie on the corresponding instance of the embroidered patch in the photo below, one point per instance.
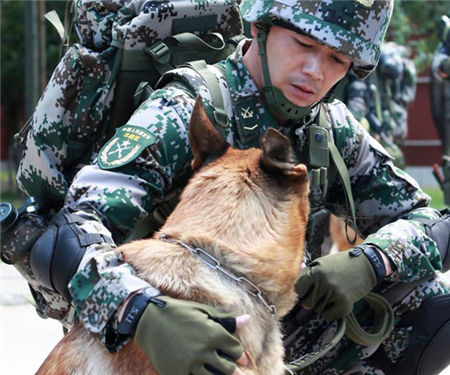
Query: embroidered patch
(248, 119)
(126, 145)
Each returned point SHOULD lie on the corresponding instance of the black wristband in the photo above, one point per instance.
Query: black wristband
(134, 309)
(377, 262)
(375, 259)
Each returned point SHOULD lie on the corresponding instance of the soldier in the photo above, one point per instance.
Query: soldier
(285, 78)
(382, 99)
(440, 100)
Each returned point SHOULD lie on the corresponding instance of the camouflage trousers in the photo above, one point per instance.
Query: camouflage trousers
(348, 358)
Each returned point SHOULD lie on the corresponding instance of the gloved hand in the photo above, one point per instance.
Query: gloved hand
(332, 284)
(185, 337)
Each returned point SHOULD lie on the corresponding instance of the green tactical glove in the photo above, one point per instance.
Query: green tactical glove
(332, 284)
(185, 337)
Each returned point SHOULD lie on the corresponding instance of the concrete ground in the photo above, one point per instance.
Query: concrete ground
(26, 339)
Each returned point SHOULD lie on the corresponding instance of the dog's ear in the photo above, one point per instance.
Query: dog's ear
(277, 154)
(206, 142)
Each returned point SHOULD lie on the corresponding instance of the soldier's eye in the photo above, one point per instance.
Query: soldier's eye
(339, 60)
(302, 44)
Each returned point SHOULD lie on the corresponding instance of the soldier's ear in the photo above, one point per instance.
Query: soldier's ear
(277, 154)
(206, 142)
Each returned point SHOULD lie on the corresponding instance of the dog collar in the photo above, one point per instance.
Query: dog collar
(212, 262)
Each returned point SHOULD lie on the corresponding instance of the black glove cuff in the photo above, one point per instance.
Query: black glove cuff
(375, 259)
(134, 309)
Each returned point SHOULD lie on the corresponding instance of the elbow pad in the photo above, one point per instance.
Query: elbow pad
(56, 255)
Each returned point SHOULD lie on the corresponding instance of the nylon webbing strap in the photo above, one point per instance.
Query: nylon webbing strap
(220, 115)
(382, 325)
(309, 358)
(381, 328)
(342, 170)
(54, 19)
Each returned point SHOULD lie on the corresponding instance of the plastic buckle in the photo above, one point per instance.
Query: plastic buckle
(221, 118)
(159, 53)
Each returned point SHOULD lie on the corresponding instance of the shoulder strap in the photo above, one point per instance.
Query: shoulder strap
(219, 113)
(342, 171)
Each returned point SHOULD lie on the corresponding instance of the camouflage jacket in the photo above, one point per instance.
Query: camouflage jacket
(150, 156)
(393, 90)
(440, 97)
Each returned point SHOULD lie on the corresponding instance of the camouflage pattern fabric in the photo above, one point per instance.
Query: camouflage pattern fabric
(69, 124)
(353, 27)
(440, 106)
(128, 193)
(386, 94)
(350, 358)
(142, 23)
(71, 121)
(397, 89)
(56, 146)
(440, 97)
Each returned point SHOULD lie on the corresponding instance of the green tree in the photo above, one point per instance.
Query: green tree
(12, 61)
(414, 24)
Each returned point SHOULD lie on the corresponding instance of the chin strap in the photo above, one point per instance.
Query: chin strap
(274, 96)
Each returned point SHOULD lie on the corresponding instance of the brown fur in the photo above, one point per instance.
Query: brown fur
(248, 208)
(338, 236)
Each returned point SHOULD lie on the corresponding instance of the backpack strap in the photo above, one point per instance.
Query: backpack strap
(342, 171)
(220, 116)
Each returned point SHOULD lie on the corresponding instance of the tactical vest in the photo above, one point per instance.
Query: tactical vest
(316, 154)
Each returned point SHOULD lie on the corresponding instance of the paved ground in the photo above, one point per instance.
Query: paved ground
(26, 339)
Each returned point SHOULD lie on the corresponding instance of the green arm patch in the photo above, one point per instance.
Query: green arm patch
(126, 145)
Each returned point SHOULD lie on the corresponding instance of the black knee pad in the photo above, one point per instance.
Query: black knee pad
(429, 349)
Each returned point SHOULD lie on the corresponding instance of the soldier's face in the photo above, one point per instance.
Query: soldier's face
(303, 69)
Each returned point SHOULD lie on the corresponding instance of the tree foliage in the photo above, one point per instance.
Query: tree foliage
(414, 24)
(12, 54)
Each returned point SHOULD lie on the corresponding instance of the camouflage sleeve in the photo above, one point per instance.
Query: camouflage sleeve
(384, 195)
(408, 82)
(124, 195)
(100, 286)
(40, 172)
(128, 193)
(355, 98)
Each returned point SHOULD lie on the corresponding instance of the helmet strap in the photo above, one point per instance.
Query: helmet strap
(275, 97)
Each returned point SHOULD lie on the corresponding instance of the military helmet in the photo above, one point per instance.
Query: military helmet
(353, 27)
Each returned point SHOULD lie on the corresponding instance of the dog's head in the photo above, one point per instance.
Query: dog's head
(255, 200)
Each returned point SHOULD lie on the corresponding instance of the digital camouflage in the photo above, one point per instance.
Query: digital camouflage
(128, 193)
(142, 23)
(353, 27)
(74, 107)
(440, 109)
(134, 189)
(76, 104)
(385, 94)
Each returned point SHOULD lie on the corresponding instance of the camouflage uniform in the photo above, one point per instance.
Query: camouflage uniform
(440, 105)
(150, 157)
(129, 192)
(386, 94)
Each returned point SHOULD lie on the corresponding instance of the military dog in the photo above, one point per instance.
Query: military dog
(247, 208)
